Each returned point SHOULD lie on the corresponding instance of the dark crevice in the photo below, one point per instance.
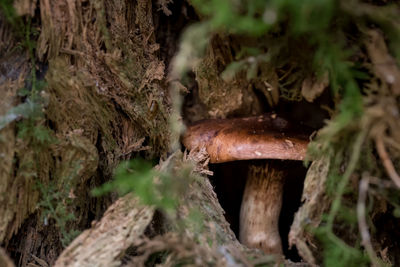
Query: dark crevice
(38, 238)
(291, 201)
(229, 180)
(170, 28)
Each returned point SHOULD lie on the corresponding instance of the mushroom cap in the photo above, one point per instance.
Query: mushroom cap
(259, 137)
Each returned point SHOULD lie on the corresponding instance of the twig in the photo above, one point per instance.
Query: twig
(387, 163)
(72, 52)
(362, 224)
(381, 183)
(392, 143)
(355, 155)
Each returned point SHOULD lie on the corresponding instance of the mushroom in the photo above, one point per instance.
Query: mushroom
(259, 137)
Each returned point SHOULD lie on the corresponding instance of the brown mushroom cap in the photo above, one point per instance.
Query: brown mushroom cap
(260, 137)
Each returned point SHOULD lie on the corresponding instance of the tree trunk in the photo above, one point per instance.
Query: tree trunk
(100, 74)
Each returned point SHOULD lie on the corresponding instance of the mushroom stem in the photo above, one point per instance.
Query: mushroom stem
(261, 206)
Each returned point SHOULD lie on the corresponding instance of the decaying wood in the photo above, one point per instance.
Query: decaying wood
(222, 97)
(17, 197)
(104, 244)
(102, 85)
(124, 223)
(315, 203)
(5, 261)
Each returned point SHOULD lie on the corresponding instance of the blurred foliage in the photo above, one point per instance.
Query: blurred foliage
(153, 188)
(162, 189)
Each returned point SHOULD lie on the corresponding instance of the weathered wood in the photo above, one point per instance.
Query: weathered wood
(5, 261)
(105, 243)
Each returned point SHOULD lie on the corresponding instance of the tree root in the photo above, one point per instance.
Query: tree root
(386, 161)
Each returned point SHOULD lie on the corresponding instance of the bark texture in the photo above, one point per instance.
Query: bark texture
(103, 82)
